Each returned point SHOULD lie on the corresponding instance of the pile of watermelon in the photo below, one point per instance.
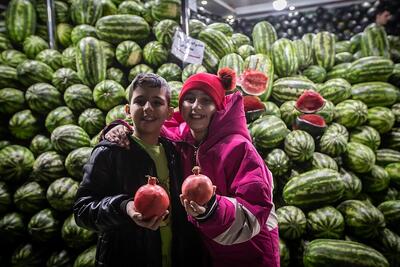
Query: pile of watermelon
(336, 193)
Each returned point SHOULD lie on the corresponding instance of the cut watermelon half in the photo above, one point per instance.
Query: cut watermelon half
(311, 123)
(310, 102)
(253, 82)
(253, 107)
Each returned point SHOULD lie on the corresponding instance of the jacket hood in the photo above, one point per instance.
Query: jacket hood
(228, 121)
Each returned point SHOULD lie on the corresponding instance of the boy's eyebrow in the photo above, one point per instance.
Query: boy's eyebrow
(152, 97)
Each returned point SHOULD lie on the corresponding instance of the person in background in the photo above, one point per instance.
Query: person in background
(104, 201)
(383, 13)
(238, 225)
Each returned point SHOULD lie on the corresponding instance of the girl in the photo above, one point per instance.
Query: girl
(239, 224)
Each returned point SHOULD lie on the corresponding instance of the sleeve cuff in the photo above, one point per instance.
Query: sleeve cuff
(211, 207)
(123, 206)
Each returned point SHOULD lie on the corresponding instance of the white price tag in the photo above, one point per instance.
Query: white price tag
(187, 49)
(193, 5)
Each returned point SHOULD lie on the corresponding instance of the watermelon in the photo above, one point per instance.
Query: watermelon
(90, 61)
(20, 20)
(192, 69)
(40, 144)
(222, 27)
(377, 180)
(245, 51)
(31, 71)
(78, 97)
(59, 258)
(12, 226)
(299, 145)
(24, 125)
(284, 58)
(43, 226)
(342, 46)
(335, 90)
(64, 78)
(210, 59)
(59, 116)
(292, 222)
(164, 31)
(217, 41)
(232, 61)
(290, 88)
(117, 75)
(289, 112)
(166, 9)
(141, 68)
(239, 39)
(381, 118)
(278, 162)
(128, 53)
(263, 35)
(69, 137)
(327, 111)
(374, 41)
(11, 100)
(362, 219)
(27, 255)
(170, 71)
(195, 27)
(86, 11)
(86, 258)
(118, 28)
(370, 69)
(351, 113)
(30, 197)
(50, 57)
(323, 47)
(48, 166)
(176, 88)
(352, 184)
(268, 132)
(393, 169)
(43, 97)
(131, 7)
(366, 135)
(5, 198)
(359, 157)
(314, 188)
(75, 161)
(117, 112)
(272, 109)
(284, 253)
(325, 222)
(332, 252)
(385, 156)
(343, 57)
(12, 57)
(81, 31)
(321, 161)
(391, 211)
(61, 193)
(338, 71)
(375, 93)
(32, 45)
(92, 120)
(303, 53)
(108, 94)
(259, 64)
(155, 54)
(68, 58)
(315, 73)
(15, 162)
(75, 236)
(63, 34)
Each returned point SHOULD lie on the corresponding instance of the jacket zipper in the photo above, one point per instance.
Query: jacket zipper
(195, 154)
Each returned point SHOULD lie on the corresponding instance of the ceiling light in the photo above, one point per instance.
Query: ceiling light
(201, 8)
(204, 2)
(279, 4)
(291, 8)
(230, 17)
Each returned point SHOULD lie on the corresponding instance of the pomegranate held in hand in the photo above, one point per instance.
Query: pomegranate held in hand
(197, 187)
(151, 199)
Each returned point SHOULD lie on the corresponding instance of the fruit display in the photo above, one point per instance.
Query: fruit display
(322, 106)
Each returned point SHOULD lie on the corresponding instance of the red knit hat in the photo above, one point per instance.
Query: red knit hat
(213, 85)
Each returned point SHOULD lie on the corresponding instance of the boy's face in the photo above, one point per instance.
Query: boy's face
(148, 109)
(383, 18)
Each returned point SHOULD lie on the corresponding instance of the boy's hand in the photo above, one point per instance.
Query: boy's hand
(192, 208)
(152, 224)
(119, 135)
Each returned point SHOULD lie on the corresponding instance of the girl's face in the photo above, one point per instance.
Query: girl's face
(197, 110)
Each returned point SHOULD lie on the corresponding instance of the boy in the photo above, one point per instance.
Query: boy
(113, 174)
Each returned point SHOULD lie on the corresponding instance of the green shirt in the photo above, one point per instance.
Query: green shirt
(157, 153)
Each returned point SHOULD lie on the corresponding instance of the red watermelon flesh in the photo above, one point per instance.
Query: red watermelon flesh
(310, 102)
(253, 82)
(252, 103)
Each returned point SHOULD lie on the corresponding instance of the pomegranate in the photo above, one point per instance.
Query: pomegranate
(197, 187)
(151, 199)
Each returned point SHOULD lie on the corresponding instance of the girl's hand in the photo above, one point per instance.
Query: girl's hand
(152, 223)
(119, 135)
(192, 208)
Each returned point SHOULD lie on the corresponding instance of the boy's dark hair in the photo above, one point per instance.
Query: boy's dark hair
(384, 5)
(152, 80)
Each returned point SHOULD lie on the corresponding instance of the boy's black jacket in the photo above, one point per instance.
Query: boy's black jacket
(111, 178)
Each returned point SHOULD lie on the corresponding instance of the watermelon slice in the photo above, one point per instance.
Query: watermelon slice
(253, 107)
(310, 102)
(311, 123)
(253, 82)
